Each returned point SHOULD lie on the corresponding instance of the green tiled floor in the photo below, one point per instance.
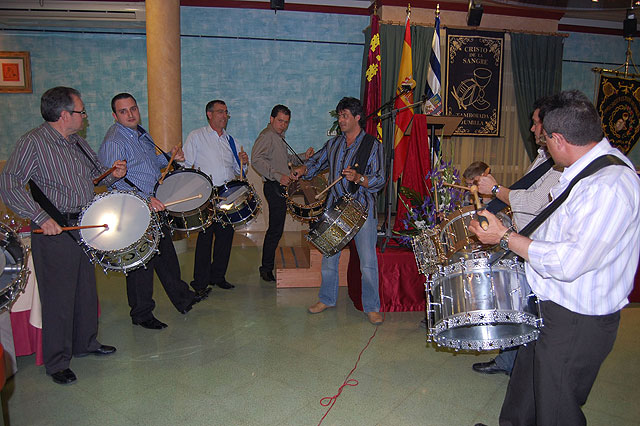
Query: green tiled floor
(253, 356)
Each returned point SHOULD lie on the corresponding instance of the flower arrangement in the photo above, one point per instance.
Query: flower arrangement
(421, 210)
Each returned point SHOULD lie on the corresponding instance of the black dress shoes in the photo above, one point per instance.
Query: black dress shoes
(152, 324)
(102, 350)
(267, 275)
(64, 377)
(225, 285)
(488, 368)
(201, 295)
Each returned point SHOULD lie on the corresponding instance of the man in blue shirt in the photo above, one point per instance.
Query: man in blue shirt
(126, 139)
(362, 181)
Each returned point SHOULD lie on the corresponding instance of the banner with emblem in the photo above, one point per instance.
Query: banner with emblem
(474, 80)
(619, 106)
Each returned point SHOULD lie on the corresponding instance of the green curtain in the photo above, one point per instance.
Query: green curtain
(537, 72)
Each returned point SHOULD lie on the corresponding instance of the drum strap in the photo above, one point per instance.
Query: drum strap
(523, 183)
(48, 206)
(232, 144)
(362, 158)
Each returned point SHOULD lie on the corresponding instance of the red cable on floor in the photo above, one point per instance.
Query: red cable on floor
(347, 382)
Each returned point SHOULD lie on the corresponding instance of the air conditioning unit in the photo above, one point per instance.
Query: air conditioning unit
(44, 13)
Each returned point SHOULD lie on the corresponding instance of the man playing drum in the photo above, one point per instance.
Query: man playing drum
(270, 159)
(580, 262)
(128, 140)
(62, 165)
(363, 170)
(212, 150)
(526, 203)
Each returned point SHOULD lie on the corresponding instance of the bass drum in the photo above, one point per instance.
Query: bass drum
(193, 214)
(337, 225)
(133, 232)
(477, 306)
(13, 267)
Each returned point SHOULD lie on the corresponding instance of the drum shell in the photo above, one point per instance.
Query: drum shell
(243, 210)
(133, 255)
(475, 306)
(428, 250)
(337, 225)
(307, 212)
(193, 219)
(14, 272)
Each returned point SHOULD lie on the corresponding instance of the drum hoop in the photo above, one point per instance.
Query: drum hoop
(19, 283)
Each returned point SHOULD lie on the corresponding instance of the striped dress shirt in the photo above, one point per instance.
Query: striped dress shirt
(337, 156)
(57, 165)
(135, 146)
(584, 256)
(527, 203)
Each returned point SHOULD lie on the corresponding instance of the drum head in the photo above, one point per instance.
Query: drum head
(184, 184)
(127, 215)
(235, 193)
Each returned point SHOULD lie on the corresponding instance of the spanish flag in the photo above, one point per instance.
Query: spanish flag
(404, 99)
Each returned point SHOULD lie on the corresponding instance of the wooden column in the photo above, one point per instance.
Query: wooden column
(163, 72)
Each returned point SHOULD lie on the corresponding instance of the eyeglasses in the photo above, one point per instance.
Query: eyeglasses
(83, 112)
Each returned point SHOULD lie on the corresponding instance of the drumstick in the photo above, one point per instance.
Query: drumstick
(183, 200)
(167, 169)
(331, 186)
(464, 188)
(104, 175)
(483, 221)
(73, 228)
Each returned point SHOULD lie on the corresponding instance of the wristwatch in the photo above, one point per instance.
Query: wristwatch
(361, 180)
(504, 241)
(495, 189)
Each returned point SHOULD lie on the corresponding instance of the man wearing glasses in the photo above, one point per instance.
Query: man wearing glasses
(128, 140)
(59, 166)
(212, 150)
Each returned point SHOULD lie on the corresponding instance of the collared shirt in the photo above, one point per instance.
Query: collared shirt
(584, 256)
(269, 156)
(337, 156)
(135, 146)
(57, 165)
(212, 154)
(527, 203)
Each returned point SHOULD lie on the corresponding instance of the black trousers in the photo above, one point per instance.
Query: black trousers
(67, 285)
(277, 215)
(140, 281)
(553, 376)
(205, 271)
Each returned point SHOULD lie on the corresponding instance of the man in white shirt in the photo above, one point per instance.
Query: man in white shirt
(580, 263)
(212, 150)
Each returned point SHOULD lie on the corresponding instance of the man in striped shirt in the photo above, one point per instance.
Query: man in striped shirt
(362, 181)
(128, 140)
(580, 262)
(63, 166)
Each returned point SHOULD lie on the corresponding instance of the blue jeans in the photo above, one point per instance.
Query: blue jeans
(365, 241)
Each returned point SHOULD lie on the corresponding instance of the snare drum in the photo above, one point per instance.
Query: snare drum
(194, 214)
(236, 203)
(301, 198)
(455, 235)
(473, 305)
(13, 267)
(132, 237)
(337, 225)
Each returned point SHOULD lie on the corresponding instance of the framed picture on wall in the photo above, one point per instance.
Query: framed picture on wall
(15, 72)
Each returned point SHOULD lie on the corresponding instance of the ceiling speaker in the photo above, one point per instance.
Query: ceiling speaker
(474, 15)
(277, 4)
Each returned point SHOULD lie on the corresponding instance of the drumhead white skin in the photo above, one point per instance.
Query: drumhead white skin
(127, 216)
(183, 185)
